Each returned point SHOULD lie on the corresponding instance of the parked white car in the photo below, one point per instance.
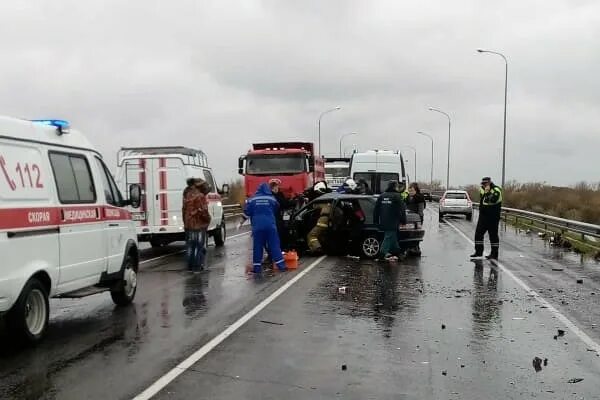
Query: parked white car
(63, 229)
(456, 202)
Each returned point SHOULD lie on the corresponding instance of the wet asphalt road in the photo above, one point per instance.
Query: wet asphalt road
(438, 327)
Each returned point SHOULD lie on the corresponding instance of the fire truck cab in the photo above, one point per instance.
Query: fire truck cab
(162, 173)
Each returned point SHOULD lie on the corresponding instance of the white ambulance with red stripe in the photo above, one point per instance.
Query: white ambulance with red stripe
(162, 173)
(63, 229)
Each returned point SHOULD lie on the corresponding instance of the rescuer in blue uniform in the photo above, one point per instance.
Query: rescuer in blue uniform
(261, 209)
(490, 208)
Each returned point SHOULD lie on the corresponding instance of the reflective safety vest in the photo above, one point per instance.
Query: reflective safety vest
(492, 198)
(404, 195)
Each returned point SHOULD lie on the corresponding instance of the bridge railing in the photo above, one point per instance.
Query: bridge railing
(546, 222)
(232, 210)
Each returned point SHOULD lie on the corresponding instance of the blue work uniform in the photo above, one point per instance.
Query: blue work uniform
(261, 209)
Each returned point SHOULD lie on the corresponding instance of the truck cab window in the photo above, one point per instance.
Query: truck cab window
(210, 180)
(111, 192)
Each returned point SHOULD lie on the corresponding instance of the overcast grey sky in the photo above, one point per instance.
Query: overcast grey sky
(221, 74)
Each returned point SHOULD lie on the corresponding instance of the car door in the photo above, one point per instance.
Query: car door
(82, 240)
(116, 220)
(215, 205)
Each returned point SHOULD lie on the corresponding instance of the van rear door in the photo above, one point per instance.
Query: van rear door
(28, 219)
(169, 181)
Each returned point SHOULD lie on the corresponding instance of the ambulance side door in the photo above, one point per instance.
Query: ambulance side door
(81, 233)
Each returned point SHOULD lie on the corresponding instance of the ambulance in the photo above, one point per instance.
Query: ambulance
(162, 173)
(64, 231)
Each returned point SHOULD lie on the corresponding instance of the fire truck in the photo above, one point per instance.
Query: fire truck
(293, 163)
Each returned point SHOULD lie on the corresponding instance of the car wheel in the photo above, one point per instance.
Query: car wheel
(469, 217)
(370, 246)
(123, 291)
(220, 235)
(28, 318)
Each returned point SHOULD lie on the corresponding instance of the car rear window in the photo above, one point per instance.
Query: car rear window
(456, 195)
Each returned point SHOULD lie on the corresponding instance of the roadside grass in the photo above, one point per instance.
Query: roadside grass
(566, 240)
(580, 202)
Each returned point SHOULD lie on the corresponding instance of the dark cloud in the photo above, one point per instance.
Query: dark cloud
(221, 74)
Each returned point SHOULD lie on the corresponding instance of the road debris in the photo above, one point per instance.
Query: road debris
(344, 367)
(561, 333)
(444, 372)
(558, 269)
(575, 380)
(545, 362)
(580, 281)
(443, 326)
(271, 322)
(342, 290)
(537, 364)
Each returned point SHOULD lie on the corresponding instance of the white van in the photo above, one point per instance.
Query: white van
(162, 173)
(63, 229)
(377, 167)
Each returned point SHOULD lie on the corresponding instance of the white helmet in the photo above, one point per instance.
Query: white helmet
(351, 183)
(320, 187)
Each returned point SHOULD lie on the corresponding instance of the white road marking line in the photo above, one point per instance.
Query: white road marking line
(182, 251)
(572, 327)
(170, 376)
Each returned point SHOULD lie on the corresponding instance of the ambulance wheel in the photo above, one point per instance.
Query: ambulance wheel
(123, 291)
(370, 246)
(28, 318)
(220, 235)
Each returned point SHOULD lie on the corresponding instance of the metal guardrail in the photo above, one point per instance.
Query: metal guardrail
(232, 210)
(564, 225)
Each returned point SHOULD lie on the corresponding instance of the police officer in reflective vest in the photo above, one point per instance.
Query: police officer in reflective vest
(490, 207)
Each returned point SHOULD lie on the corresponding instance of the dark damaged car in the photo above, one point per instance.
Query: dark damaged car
(351, 227)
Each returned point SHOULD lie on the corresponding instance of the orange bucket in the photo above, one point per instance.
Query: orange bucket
(291, 259)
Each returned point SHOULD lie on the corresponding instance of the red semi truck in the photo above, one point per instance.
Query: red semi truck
(293, 163)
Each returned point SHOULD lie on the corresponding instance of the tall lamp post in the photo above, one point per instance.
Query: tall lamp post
(430, 138)
(415, 150)
(342, 138)
(505, 99)
(449, 128)
(321, 116)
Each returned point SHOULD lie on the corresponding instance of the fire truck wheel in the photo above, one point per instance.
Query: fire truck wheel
(220, 235)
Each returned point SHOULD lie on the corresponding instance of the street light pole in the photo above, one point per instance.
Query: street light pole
(415, 150)
(321, 116)
(449, 128)
(430, 138)
(505, 102)
(342, 138)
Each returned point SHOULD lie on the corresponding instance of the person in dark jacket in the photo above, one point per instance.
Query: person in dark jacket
(284, 204)
(490, 208)
(262, 209)
(416, 201)
(390, 213)
(363, 187)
